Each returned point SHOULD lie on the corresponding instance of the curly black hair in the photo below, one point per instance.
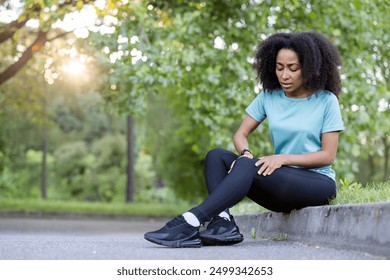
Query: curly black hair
(318, 57)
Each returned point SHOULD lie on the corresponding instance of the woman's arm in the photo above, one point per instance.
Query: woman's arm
(324, 157)
(241, 136)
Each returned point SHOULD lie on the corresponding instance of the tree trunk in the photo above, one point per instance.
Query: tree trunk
(386, 160)
(371, 168)
(44, 164)
(12, 28)
(130, 160)
(44, 147)
(26, 56)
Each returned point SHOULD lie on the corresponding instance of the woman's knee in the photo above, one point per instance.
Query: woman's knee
(215, 152)
(245, 163)
(218, 154)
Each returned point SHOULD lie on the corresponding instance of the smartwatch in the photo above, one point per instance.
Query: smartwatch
(243, 151)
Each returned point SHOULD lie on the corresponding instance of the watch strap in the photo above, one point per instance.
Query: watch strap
(243, 151)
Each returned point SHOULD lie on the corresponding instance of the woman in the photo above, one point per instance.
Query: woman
(301, 82)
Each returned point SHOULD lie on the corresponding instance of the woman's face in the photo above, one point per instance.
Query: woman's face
(289, 73)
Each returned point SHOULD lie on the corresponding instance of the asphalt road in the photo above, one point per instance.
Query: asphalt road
(119, 239)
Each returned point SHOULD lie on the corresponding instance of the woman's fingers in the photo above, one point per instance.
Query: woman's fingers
(265, 170)
(267, 165)
(262, 164)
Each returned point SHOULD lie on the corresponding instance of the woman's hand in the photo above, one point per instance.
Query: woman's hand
(269, 164)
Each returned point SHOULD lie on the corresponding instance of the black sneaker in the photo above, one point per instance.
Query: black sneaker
(176, 233)
(221, 231)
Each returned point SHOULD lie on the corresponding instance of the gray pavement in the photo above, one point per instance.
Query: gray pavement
(87, 238)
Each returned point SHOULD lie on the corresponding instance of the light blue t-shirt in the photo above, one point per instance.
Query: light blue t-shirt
(296, 124)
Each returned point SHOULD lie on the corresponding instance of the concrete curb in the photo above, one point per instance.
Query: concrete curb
(364, 227)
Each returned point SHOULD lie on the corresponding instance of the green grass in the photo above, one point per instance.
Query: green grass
(348, 193)
(356, 193)
(280, 237)
(53, 206)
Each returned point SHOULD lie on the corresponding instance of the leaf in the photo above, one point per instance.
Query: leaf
(79, 4)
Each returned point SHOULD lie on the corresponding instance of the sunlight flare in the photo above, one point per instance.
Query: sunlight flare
(74, 67)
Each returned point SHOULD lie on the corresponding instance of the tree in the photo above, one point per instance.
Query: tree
(20, 40)
(196, 57)
(31, 40)
(199, 55)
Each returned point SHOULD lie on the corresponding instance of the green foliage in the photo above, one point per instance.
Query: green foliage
(23, 183)
(145, 179)
(183, 171)
(354, 193)
(280, 237)
(183, 69)
(253, 233)
(7, 183)
(96, 172)
(208, 85)
(346, 185)
(70, 159)
(92, 173)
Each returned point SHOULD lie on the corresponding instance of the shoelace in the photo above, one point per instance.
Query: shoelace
(176, 221)
(218, 219)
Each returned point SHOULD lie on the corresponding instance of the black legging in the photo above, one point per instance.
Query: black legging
(287, 188)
